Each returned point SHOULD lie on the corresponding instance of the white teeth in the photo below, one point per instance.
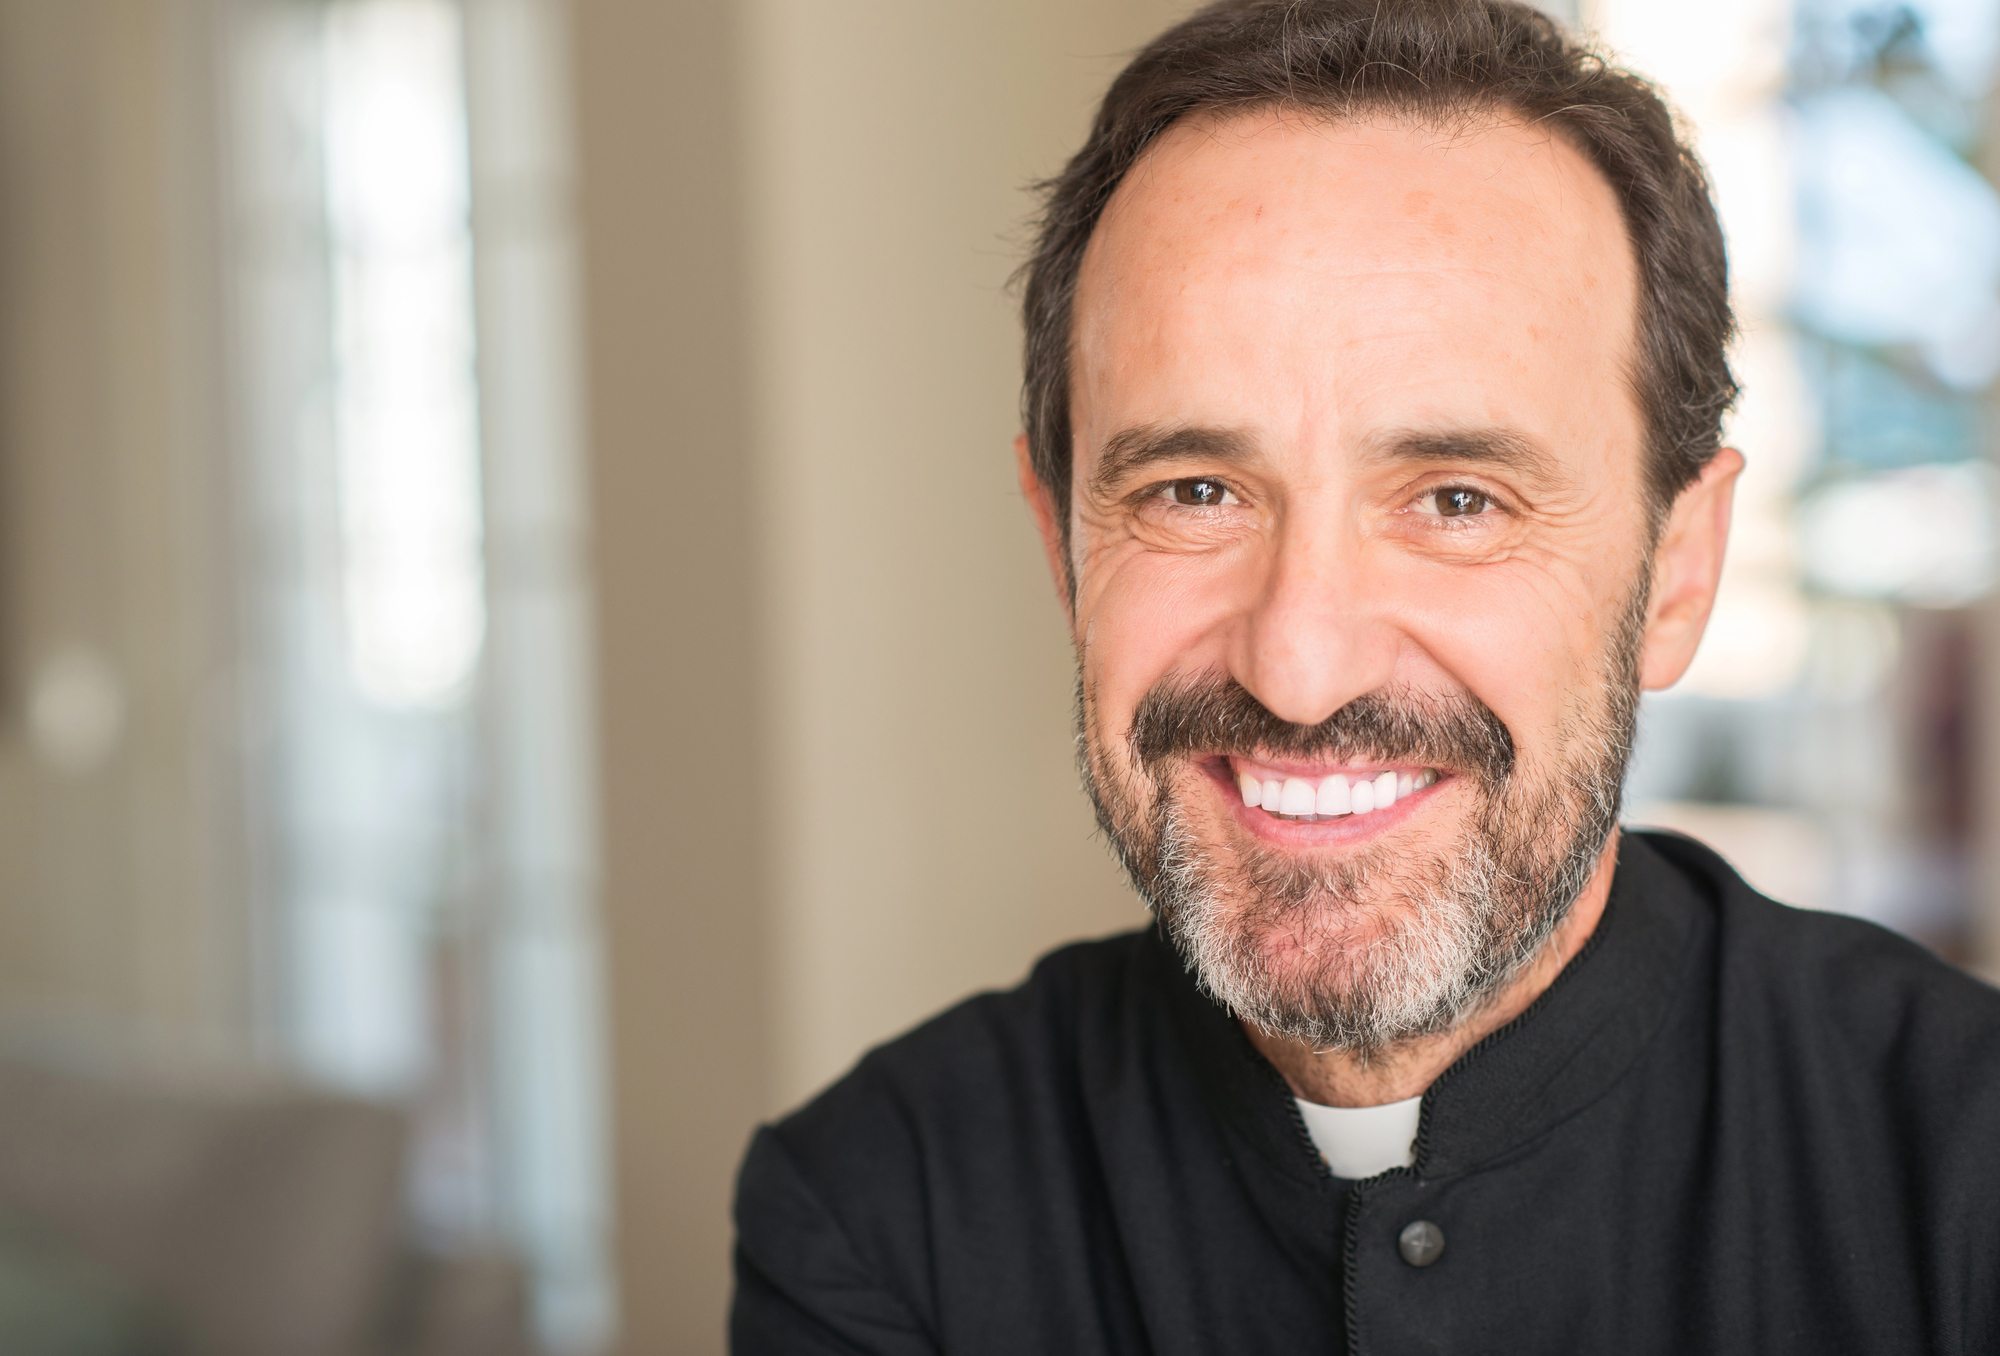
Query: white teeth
(1362, 797)
(1332, 798)
(1298, 797)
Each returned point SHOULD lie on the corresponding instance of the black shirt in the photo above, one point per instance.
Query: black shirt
(1728, 1126)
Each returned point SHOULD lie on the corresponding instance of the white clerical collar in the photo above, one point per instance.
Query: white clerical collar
(1360, 1141)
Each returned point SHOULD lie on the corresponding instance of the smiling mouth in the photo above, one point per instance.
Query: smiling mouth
(1339, 795)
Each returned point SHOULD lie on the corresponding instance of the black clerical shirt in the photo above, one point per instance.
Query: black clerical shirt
(1728, 1126)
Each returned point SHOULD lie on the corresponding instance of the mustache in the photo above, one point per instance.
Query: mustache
(1214, 714)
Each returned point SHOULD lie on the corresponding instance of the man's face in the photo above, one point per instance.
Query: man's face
(1358, 533)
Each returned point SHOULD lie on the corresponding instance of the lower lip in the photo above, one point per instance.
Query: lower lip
(1325, 832)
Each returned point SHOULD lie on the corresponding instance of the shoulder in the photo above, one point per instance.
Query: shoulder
(1808, 981)
(972, 1112)
(1853, 1078)
(992, 1049)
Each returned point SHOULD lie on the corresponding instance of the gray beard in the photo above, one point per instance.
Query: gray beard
(1388, 946)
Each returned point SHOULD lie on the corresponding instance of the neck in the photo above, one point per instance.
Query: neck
(1339, 1078)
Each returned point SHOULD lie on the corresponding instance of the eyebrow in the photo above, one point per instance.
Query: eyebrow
(1134, 449)
(1502, 448)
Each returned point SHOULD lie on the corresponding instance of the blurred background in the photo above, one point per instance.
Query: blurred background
(521, 654)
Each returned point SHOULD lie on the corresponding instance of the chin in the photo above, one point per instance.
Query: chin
(1356, 951)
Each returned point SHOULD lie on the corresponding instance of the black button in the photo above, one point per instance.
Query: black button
(1421, 1243)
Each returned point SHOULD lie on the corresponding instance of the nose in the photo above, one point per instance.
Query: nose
(1319, 632)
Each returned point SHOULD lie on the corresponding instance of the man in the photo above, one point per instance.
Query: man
(1375, 365)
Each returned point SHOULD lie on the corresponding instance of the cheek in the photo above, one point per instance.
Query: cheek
(1144, 616)
(1521, 640)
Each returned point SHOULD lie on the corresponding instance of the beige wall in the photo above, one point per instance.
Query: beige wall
(838, 782)
(122, 924)
(924, 826)
(665, 400)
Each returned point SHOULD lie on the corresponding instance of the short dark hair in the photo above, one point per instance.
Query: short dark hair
(1443, 62)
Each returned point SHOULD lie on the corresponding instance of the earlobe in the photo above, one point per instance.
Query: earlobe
(1687, 569)
(1041, 504)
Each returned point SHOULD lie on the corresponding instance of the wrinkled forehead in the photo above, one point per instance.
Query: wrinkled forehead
(1486, 255)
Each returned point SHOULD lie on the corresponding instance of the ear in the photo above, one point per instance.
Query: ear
(1042, 505)
(1687, 568)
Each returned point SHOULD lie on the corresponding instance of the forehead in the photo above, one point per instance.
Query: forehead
(1326, 280)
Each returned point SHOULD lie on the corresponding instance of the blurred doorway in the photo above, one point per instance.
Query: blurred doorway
(415, 608)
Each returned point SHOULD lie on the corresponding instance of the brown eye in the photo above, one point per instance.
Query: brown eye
(1459, 502)
(1200, 493)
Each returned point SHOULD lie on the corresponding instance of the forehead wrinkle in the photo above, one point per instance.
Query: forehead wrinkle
(1134, 449)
